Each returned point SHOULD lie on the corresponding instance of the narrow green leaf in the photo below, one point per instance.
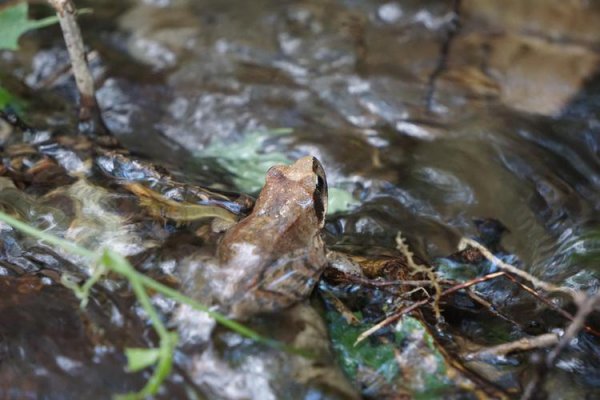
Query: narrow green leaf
(42, 23)
(138, 359)
(47, 237)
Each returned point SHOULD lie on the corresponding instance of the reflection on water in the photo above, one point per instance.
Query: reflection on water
(352, 79)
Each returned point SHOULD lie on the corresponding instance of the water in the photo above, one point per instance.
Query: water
(420, 152)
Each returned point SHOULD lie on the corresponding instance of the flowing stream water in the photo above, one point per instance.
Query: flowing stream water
(427, 116)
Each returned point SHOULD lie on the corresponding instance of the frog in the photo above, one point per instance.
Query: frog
(273, 258)
(270, 252)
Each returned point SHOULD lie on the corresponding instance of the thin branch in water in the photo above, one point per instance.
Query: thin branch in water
(536, 282)
(490, 307)
(408, 294)
(384, 283)
(551, 305)
(586, 307)
(340, 307)
(63, 72)
(398, 314)
(584, 310)
(586, 304)
(523, 344)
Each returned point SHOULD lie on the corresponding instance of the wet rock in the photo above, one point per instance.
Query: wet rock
(50, 346)
(523, 72)
(557, 20)
(230, 367)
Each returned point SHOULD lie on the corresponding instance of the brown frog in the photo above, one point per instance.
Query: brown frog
(269, 260)
(273, 258)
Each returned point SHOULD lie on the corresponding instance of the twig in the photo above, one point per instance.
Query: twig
(536, 282)
(378, 283)
(585, 309)
(523, 344)
(550, 304)
(586, 304)
(64, 71)
(421, 269)
(340, 307)
(90, 118)
(490, 307)
(398, 314)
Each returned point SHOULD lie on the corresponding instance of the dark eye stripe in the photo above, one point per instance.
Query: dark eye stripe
(320, 193)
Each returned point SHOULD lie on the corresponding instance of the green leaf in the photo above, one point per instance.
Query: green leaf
(14, 22)
(340, 200)
(247, 161)
(138, 359)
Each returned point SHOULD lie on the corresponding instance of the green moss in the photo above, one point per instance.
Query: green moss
(375, 356)
(410, 361)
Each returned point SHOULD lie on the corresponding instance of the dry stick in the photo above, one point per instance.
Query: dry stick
(586, 305)
(416, 268)
(585, 308)
(523, 344)
(341, 308)
(64, 71)
(90, 118)
(578, 297)
(376, 283)
(553, 306)
(397, 315)
(490, 307)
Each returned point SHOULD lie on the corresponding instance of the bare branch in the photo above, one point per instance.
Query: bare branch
(536, 282)
(585, 309)
(416, 268)
(551, 305)
(523, 344)
(90, 119)
(398, 314)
